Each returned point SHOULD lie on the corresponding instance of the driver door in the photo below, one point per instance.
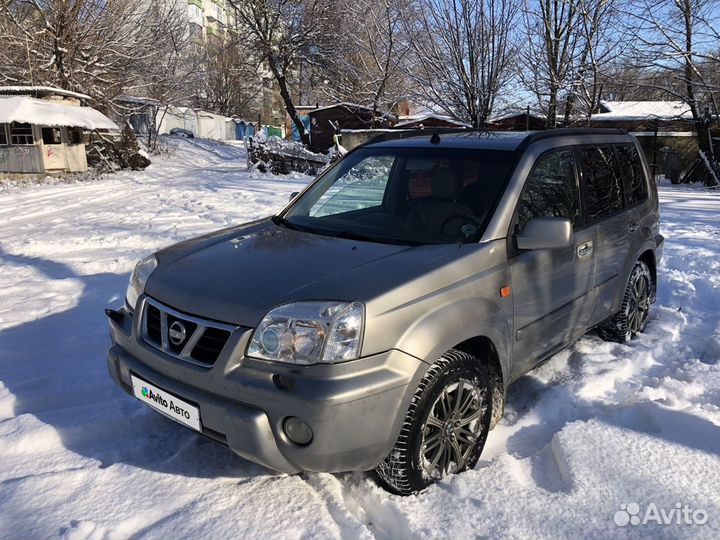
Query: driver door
(550, 287)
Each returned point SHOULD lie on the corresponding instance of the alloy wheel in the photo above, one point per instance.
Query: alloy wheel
(452, 428)
(639, 305)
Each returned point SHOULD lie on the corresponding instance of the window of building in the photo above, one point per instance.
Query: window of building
(551, 190)
(21, 134)
(3, 135)
(196, 31)
(634, 176)
(51, 135)
(195, 14)
(601, 175)
(75, 135)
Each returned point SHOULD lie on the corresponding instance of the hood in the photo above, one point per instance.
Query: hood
(237, 275)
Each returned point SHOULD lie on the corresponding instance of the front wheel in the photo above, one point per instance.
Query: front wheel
(445, 427)
(635, 309)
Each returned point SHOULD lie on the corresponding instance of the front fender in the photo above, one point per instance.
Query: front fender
(441, 308)
(455, 322)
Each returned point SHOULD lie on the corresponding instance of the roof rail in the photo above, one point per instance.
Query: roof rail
(419, 132)
(532, 137)
(568, 132)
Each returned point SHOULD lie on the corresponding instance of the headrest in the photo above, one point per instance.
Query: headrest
(446, 183)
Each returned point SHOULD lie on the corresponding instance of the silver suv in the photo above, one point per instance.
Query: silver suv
(377, 321)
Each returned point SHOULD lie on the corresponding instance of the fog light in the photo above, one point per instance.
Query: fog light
(297, 431)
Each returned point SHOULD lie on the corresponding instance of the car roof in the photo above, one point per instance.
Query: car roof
(479, 139)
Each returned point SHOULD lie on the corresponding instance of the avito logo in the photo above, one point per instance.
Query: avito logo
(157, 398)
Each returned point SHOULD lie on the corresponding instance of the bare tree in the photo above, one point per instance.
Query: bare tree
(599, 44)
(229, 82)
(285, 34)
(552, 28)
(371, 66)
(462, 54)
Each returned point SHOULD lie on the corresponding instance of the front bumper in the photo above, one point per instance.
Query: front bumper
(355, 409)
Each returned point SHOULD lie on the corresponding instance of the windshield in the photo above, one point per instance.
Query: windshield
(405, 195)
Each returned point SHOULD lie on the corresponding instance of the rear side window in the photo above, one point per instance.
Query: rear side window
(603, 189)
(551, 190)
(631, 167)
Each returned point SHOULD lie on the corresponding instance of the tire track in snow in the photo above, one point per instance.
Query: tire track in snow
(330, 489)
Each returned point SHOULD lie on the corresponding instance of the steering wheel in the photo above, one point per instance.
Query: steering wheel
(469, 221)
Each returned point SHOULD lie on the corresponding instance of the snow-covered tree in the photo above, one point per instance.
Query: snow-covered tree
(99, 47)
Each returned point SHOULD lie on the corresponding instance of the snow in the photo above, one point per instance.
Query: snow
(51, 113)
(710, 168)
(413, 118)
(598, 426)
(515, 114)
(620, 111)
(345, 104)
(42, 90)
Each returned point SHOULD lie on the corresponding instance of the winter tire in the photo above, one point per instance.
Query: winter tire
(635, 310)
(445, 427)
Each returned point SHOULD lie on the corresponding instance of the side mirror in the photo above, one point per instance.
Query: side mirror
(546, 233)
(293, 195)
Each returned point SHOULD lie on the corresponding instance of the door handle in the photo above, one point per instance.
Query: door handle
(585, 249)
(632, 227)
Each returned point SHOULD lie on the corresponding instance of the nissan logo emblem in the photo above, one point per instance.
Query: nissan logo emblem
(177, 333)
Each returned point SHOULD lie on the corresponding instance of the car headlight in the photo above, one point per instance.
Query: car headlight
(310, 332)
(139, 278)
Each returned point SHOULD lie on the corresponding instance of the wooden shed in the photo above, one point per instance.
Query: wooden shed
(518, 121)
(40, 136)
(324, 120)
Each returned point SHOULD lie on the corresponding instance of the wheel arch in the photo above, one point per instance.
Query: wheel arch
(483, 348)
(648, 257)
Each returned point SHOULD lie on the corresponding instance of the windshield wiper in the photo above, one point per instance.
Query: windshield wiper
(282, 222)
(352, 235)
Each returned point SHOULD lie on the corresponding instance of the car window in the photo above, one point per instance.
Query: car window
(405, 195)
(362, 186)
(602, 181)
(420, 172)
(631, 166)
(551, 189)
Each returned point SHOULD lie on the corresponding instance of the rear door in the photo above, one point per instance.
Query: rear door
(550, 287)
(605, 210)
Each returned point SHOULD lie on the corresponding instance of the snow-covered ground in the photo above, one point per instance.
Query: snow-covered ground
(598, 426)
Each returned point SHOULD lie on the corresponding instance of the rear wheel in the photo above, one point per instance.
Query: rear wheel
(445, 427)
(635, 310)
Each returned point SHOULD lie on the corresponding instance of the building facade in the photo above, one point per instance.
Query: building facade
(210, 19)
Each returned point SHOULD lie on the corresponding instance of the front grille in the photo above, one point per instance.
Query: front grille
(153, 323)
(210, 344)
(183, 336)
